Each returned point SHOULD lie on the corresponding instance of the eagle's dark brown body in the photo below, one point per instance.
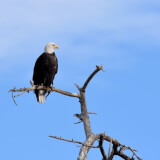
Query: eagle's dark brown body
(45, 69)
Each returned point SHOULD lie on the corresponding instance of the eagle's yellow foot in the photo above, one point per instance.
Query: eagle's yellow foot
(49, 89)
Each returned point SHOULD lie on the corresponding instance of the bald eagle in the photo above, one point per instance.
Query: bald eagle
(45, 69)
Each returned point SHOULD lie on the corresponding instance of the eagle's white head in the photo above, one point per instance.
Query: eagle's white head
(49, 48)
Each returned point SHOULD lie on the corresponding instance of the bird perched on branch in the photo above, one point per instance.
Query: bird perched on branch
(45, 69)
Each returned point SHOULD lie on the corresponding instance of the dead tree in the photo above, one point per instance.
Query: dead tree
(115, 147)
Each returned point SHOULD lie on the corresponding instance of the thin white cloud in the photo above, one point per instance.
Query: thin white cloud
(103, 24)
(70, 16)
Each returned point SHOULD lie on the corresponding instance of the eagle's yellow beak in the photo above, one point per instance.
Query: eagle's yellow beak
(56, 46)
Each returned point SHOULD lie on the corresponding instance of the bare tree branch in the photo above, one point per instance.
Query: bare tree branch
(23, 90)
(131, 149)
(92, 113)
(84, 113)
(90, 137)
(73, 141)
(32, 84)
(83, 116)
(98, 68)
(109, 150)
(84, 149)
(114, 149)
(122, 155)
(101, 148)
(117, 144)
(14, 99)
(110, 139)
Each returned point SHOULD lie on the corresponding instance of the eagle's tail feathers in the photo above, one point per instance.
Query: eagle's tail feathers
(41, 96)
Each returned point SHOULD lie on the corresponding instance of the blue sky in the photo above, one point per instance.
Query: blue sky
(122, 35)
